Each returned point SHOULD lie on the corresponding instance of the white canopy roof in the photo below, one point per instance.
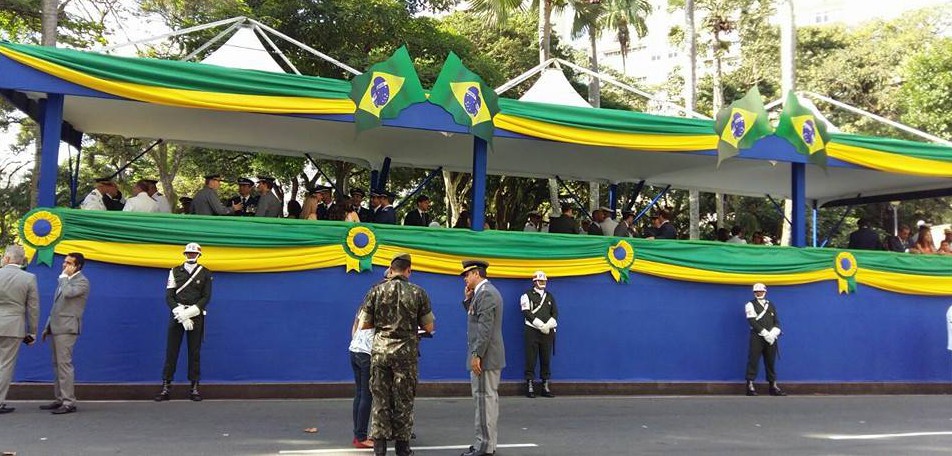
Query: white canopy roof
(554, 88)
(244, 50)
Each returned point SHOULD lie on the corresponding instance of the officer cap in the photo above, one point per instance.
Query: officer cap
(267, 179)
(212, 176)
(323, 189)
(104, 180)
(149, 181)
(539, 276)
(402, 256)
(469, 265)
(245, 181)
(606, 209)
(626, 213)
(422, 198)
(357, 191)
(185, 199)
(661, 213)
(376, 192)
(389, 194)
(760, 287)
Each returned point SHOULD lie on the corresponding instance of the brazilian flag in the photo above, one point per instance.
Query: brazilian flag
(740, 125)
(800, 128)
(466, 97)
(385, 89)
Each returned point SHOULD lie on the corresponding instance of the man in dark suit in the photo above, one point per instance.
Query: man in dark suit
(421, 215)
(64, 326)
(864, 238)
(487, 353)
(384, 213)
(19, 315)
(564, 223)
(663, 229)
(357, 197)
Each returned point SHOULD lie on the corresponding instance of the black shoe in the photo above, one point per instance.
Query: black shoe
(546, 392)
(530, 389)
(193, 393)
(165, 394)
(750, 389)
(775, 390)
(403, 448)
(51, 406)
(64, 410)
(5, 409)
(380, 447)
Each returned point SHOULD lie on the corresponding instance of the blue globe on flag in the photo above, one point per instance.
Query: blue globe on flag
(738, 125)
(380, 92)
(809, 132)
(471, 101)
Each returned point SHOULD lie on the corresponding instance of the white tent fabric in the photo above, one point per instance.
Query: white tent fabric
(553, 88)
(244, 50)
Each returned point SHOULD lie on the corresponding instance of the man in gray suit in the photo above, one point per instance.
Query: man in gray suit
(487, 354)
(268, 204)
(19, 315)
(64, 325)
(207, 202)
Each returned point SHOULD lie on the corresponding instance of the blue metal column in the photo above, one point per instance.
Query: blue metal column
(815, 229)
(384, 174)
(74, 178)
(374, 176)
(478, 208)
(613, 198)
(798, 192)
(51, 129)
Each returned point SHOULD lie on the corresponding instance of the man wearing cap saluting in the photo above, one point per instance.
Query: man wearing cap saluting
(245, 197)
(487, 353)
(764, 332)
(187, 293)
(268, 204)
(357, 196)
(206, 201)
(539, 313)
(395, 309)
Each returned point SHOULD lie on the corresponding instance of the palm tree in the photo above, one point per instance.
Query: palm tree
(622, 16)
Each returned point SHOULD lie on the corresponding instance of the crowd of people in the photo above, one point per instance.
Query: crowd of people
(922, 242)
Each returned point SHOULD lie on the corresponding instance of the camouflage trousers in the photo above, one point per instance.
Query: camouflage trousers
(393, 386)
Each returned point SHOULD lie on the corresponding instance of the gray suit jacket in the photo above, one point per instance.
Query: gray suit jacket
(206, 202)
(69, 303)
(484, 328)
(269, 206)
(19, 302)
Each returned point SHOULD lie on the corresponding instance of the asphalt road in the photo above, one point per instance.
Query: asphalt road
(695, 425)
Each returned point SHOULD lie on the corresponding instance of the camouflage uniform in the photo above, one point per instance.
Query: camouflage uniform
(395, 308)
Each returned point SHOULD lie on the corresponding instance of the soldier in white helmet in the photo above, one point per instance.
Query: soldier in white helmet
(187, 293)
(539, 312)
(764, 332)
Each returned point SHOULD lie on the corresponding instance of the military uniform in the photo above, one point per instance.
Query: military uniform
(248, 204)
(206, 202)
(539, 312)
(395, 308)
(385, 214)
(764, 331)
(366, 215)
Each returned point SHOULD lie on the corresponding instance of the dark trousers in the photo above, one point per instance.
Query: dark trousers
(360, 362)
(759, 347)
(174, 342)
(538, 346)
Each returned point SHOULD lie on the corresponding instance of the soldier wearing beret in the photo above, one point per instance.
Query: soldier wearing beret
(487, 353)
(395, 309)
(206, 201)
(268, 204)
(357, 197)
(245, 197)
(421, 215)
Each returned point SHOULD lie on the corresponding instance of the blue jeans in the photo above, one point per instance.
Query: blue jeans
(360, 362)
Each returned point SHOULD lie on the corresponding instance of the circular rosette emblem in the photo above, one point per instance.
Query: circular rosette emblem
(360, 245)
(621, 256)
(41, 230)
(845, 267)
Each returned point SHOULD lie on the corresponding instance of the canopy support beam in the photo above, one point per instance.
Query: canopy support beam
(426, 181)
(74, 176)
(575, 198)
(322, 173)
(137, 157)
(836, 227)
(798, 193)
(384, 175)
(651, 204)
(613, 199)
(779, 209)
(480, 163)
(634, 194)
(51, 110)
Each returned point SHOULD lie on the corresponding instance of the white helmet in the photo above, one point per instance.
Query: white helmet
(760, 287)
(539, 276)
(193, 247)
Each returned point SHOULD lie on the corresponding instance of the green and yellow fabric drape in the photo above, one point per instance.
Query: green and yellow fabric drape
(254, 245)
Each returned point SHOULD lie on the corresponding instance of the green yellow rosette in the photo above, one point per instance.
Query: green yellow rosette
(360, 246)
(41, 230)
(621, 256)
(846, 267)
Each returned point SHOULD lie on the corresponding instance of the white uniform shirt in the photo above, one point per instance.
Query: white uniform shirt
(93, 202)
(141, 203)
(530, 228)
(608, 226)
(162, 202)
(736, 240)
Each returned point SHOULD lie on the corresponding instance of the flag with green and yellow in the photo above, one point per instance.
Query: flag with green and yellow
(466, 97)
(800, 127)
(740, 125)
(385, 89)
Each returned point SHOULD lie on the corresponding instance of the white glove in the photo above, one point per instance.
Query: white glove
(775, 332)
(538, 324)
(552, 323)
(190, 312)
(764, 333)
(544, 329)
(177, 311)
(770, 338)
(188, 325)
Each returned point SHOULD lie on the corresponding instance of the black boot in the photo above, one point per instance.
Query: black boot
(750, 388)
(775, 390)
(166, 392)
(403, 448)
(193, 393)
(380, 447)
(546, 392)
(530, 389)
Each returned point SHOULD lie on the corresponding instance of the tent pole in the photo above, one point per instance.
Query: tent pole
(52, 114)
(384, 174)
(613, 198)
(123, 168)
(322, 173)
(212, 41)
(74, 178)
(815, 217)
(374, 177)
(651, 204)
(837, 226)
(183, 31)
(779, 208)
(426, 181)
(798, 190)
(267, 39)
(304, 47)
(634, 194)
(575, 198)
(480, 162)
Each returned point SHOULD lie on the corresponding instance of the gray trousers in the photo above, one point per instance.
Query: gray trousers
(62, 349)
(9, 348)
(486, 394)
